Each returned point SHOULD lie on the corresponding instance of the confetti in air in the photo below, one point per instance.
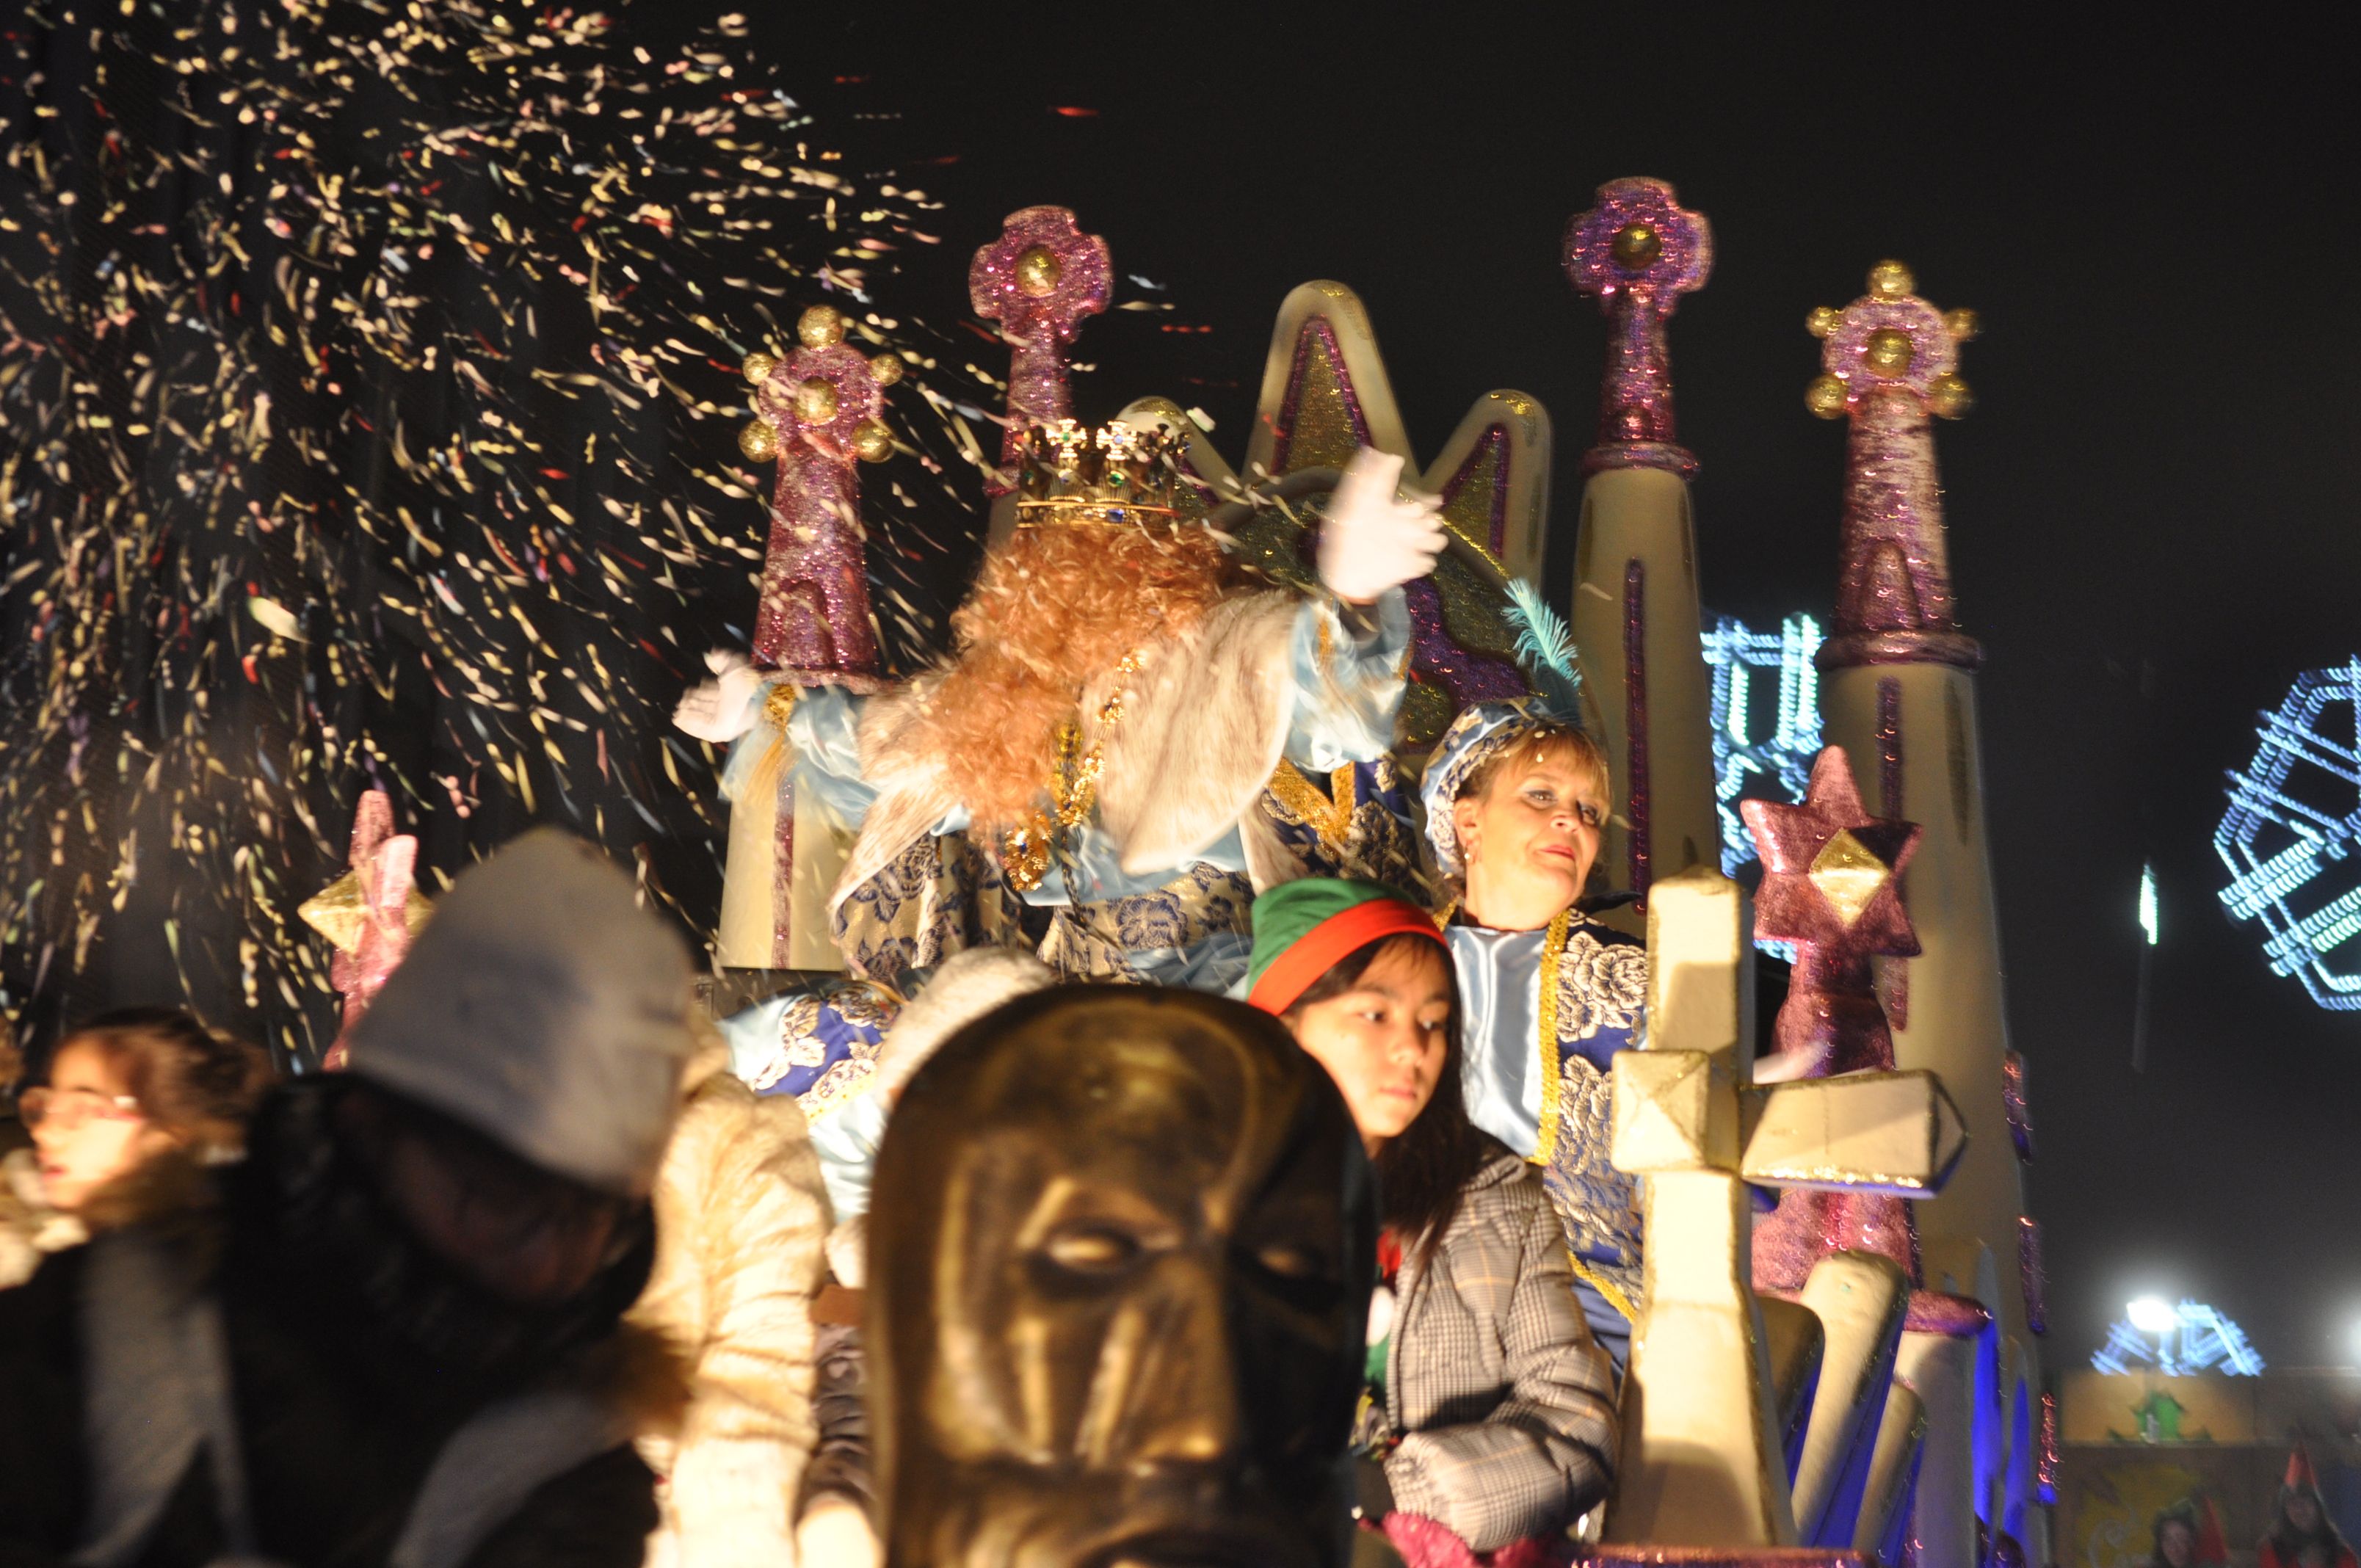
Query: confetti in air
(368, 401)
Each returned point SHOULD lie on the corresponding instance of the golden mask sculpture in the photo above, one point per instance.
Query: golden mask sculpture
(1120, 1249)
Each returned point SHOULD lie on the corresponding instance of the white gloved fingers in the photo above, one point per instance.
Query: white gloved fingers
(720, 710)
(1370, 479)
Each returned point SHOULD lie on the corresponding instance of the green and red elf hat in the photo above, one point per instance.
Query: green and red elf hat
(1304, 928)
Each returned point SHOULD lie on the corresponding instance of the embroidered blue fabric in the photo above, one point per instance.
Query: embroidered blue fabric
(1601, 1009)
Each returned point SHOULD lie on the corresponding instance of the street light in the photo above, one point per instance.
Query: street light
(2152, 1315)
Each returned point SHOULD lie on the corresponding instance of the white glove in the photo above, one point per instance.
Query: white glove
(1372, 538)
(836, 1534)
(722, 709)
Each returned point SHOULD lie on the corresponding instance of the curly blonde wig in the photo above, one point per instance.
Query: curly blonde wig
(1054, 607)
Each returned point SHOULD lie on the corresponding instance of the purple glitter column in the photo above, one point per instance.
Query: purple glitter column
(1639, 251)
(1888, 364)
(813, 625)
(1037, 281)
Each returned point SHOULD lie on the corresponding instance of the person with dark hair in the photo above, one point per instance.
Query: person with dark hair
(1491, 1424)
(396, 1338)
(2301, 1535)
(122, 1091)
(2188, 1535)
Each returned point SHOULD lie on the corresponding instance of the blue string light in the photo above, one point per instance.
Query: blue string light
(1772, 741)
(2289, 836)
(2202, 1340)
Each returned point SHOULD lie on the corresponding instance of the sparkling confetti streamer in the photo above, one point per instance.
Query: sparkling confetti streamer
(368, 376)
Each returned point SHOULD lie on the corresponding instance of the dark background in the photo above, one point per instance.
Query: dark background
(2150, 510)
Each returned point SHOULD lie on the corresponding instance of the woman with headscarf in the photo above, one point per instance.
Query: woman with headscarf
(1517, 794)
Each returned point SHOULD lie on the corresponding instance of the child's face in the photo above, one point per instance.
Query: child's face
(1528, 839)
(1385, 1041)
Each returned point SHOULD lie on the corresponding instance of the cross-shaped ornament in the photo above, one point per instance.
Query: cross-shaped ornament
(817, 414)
(1639, 250)
(369, 914)
(1037, 281)
(1704, 1475)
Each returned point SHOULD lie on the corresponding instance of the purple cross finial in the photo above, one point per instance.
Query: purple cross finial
(1888, 364)
(818, 411)
(1037, 281)
(1639, 250)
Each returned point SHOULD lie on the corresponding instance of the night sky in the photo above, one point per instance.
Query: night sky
(2150, 510)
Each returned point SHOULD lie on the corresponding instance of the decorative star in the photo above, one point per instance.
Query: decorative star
(1831, 873)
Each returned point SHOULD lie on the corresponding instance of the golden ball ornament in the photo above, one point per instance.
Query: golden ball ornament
(1826, 397)
(872, 442)
(822, 326)
(816, 400)
(1823, 320)
(1635, 247)
(1949, 396)
(759, 441)
(1962, 325)
(758, 367)
(1037, 271)
(1889, 351)
(1891, 280)
(887, 368)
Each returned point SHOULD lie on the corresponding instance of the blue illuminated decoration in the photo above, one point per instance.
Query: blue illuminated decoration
(2289, 836)
(1764, 729)
(2201, 1340)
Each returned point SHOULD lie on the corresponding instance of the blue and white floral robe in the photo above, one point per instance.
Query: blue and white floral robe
(1548, 1101)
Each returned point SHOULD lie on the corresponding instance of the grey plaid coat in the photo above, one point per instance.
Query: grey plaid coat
(1505, 1408)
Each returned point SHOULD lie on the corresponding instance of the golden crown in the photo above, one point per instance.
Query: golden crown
(1117, 474)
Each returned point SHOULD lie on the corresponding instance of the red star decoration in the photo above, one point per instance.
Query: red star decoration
(1831, 873)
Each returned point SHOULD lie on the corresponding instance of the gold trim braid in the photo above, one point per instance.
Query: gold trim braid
(1561, 927)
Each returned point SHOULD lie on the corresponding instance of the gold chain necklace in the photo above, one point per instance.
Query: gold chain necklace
(1025, 852)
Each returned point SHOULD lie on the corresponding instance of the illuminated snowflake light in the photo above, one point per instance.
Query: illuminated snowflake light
(1766, 729)
(2199, 1340)
(2289, 834)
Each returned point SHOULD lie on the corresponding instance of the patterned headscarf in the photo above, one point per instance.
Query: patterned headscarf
(1481, 732)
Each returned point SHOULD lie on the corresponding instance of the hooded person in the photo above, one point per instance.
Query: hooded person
(397, 1337)
(2301, 1534)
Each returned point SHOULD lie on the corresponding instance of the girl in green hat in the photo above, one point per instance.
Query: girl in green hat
(1491, 1417)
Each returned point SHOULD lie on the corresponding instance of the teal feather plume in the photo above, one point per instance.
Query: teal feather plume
(1544, 646)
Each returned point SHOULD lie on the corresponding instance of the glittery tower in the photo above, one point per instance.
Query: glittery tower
(1898, 694)
(1036, 282)
(1635, 597)
(819, 405)
(817, 415)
